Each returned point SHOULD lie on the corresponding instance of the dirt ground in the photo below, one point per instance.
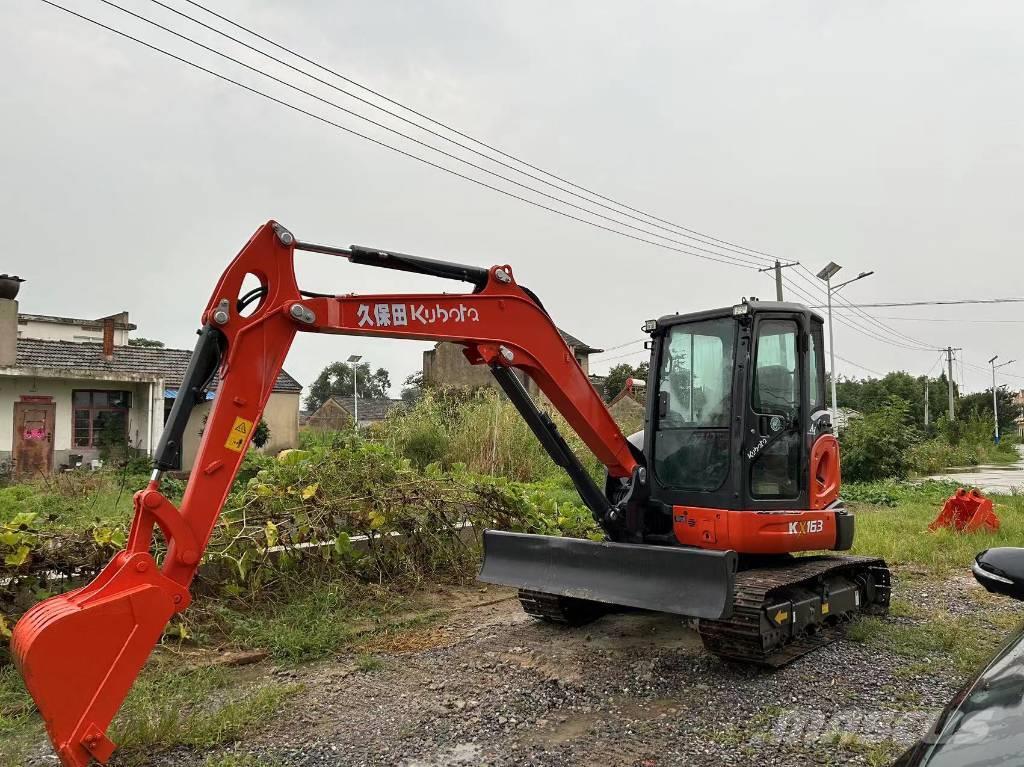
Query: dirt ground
(490, 686)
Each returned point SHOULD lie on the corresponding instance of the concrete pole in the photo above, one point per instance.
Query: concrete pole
(926, 388)
(778, 280)
(832, 356)
(355, 394)
(949, 366)
(995, 400)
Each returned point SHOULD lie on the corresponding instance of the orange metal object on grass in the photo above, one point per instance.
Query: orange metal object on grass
(967, 511)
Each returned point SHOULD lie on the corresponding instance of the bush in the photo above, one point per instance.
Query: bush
(875, 446)
(417, 523)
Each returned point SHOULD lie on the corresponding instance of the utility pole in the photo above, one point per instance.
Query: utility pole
(926, 388)
(779, 266)
(995, 395)
(949, 367)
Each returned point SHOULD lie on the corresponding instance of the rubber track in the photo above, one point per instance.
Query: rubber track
(553, 608)
(739, 638)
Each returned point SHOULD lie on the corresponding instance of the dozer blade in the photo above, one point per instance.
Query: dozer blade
(80, 652)
(671, 579)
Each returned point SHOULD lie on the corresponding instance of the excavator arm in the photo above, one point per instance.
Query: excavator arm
(80, 652)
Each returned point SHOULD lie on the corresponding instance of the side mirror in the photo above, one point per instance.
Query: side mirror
(662, 404)
(1001, 571)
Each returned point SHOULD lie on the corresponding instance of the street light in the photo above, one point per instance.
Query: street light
(827, 274)
(353, 359)
(995, 398)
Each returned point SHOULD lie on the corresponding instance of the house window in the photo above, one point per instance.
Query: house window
(100, 417)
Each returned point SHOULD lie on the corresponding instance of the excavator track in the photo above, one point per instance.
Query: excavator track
(787, 610)
(568, 611)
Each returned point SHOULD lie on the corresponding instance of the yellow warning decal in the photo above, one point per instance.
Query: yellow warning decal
(238, 434)
(781, 617)
(824, 608)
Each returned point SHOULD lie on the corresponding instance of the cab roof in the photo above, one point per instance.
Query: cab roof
(754, 307)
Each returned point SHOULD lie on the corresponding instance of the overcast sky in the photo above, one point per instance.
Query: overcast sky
(880, 135)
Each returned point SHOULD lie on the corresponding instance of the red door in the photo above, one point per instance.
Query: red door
(33, 437)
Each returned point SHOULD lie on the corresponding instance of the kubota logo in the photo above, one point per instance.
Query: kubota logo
(807, 526)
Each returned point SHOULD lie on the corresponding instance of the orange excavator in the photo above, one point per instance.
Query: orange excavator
(736, 471)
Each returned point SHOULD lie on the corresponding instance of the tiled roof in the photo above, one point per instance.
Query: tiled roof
(577, 344)
(73, 356)
(369, 409)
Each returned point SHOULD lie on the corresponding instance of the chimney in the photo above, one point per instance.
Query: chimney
(9, 286)
(108, 339)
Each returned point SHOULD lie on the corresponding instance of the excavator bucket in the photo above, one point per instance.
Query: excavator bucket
(967, 512)
(672, 579)
(80, 652)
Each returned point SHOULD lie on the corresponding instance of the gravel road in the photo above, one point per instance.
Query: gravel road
(490, 686)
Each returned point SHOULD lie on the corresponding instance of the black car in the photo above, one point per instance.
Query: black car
(983, 726)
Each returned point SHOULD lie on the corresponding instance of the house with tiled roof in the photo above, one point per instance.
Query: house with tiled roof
(446, 365)
(339, 413)
(72, 389)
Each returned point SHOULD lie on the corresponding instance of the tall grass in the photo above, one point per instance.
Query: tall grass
(899, 533)
(483, 432)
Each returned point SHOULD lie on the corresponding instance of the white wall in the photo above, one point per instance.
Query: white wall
(12, 389)
(57, 331)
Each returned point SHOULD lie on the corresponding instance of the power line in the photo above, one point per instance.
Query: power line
(904, 341)
(378, 142)
(951, 302)
(812, 279)
(861, 367)
(694, 234)
(949, 319)
(746, 257)
(856, 326)
(620, 346)
(621, 356)
(720, 258)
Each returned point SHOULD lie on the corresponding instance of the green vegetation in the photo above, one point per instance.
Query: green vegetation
(615, 381)
(198, 708)
(893, 518)
(886, 443)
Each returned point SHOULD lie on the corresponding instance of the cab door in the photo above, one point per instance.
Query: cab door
(774, 450)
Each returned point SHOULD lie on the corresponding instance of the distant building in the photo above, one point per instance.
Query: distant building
(628, 405)
(336, 414)
(843, 417)
(446, 365)
(69, 386)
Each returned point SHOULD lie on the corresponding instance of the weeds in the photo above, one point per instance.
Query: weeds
(936, 639)
(197, 709)
(900, 534)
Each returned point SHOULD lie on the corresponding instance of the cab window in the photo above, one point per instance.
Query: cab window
(775, 470)
(691, 443)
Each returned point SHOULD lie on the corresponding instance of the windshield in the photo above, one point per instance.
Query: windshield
(691, 449)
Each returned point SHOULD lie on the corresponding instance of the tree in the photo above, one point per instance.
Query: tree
(978, 407)
(147, 343)
(335, 380)
(875, 446)
(869, 395)
(616, 380)
(412, 387)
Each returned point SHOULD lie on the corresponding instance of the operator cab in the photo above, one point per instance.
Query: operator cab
(737, 406)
